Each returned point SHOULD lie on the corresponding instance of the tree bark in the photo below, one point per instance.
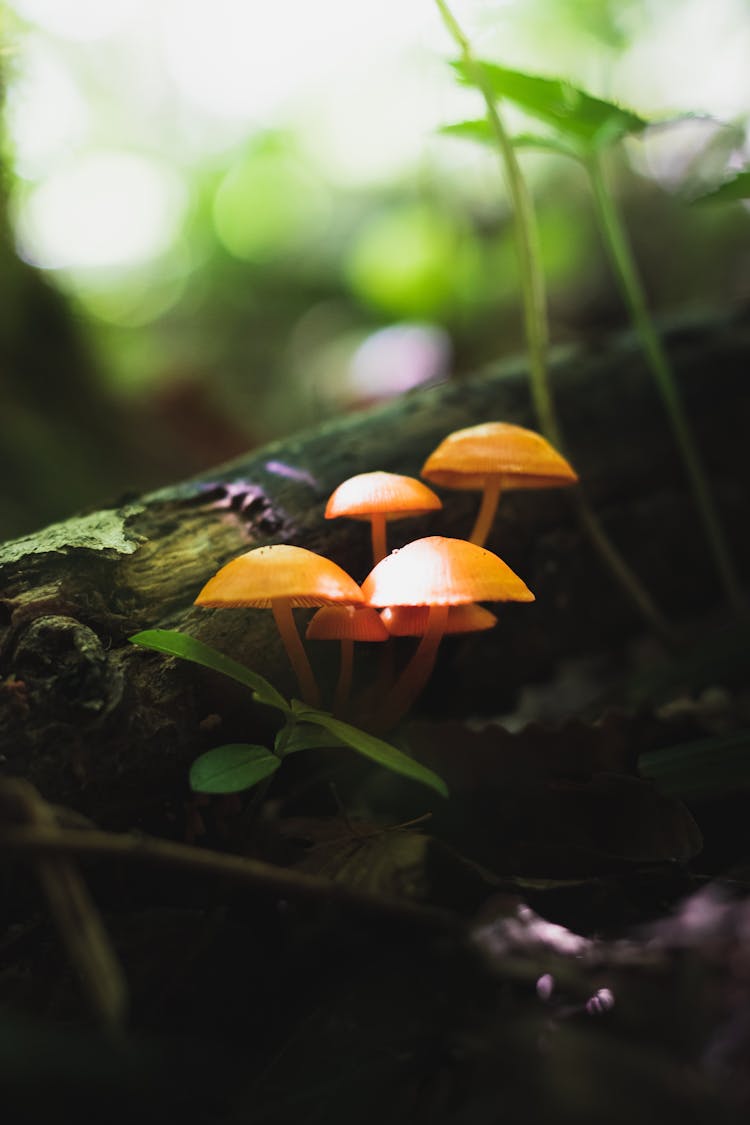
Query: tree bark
(98, 724)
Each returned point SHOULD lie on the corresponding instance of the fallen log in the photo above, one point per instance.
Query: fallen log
(100, 725)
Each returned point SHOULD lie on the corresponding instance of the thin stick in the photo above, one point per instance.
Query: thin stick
(77, 920)
(282, 882)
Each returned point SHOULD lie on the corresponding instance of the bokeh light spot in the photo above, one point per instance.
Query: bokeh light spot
(269, 205)
(103, 209)
(405, 261)
(82, 20)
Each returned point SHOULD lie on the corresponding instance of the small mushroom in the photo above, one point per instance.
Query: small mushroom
(279, 578)
(439, 573)
(347, 624)
(411, 620)
(495, 457)
(380, 497)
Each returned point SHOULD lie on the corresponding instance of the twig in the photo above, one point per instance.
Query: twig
(280, 881)
(356, 837)
(78, 921)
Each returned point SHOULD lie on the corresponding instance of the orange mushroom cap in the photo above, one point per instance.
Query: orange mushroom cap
(519, 457)
(265, 574)
(411, 620)
(346, 623)
(442, 571)
(369, 494)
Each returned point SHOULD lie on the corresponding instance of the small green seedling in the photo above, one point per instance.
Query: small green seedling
(584, 127)
(239, 766)
(534, 302)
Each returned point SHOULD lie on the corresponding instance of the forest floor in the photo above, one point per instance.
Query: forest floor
(565, 939)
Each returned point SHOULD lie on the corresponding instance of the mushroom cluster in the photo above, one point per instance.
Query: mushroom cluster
(428, 588)
(436, 573)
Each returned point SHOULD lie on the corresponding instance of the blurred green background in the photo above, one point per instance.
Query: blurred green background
(226, 222)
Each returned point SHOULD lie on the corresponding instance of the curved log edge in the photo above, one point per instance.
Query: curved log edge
(97, 724)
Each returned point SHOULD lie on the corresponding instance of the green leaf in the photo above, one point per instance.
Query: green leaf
(232, 768)
(294, 737)
(373, 748)
(730, 191)
(591, 122)
(480, 130)
(173, 643)
(539, 143)
(477, 129)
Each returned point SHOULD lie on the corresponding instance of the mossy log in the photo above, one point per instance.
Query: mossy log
(105, 727)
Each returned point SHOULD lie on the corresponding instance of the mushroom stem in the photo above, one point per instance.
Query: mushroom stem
(417, 672)
(486, 513)
(368, 704)
(344, 682)
(377, 528)
(284, 618)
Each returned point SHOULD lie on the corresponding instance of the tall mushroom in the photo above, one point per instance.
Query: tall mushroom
(281, 577)
(439, 573)
(347, 624)
(380, 497)
(496, 457)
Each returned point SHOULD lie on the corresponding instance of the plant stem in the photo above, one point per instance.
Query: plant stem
(533, 289)
(536, 328)
(621, 255)
(635, 589)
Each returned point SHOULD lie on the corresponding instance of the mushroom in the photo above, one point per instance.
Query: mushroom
(379, 497)
(411, 620)
(496, 457)
(347, 624)
(280, 577)
(439, 573)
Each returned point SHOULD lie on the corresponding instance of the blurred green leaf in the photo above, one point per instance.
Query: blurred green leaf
(173, 643)
(232, 768)
(540, 143)
(373, 748)
(480, 130)
(476, 129)
(730, 191)
(588, 121)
